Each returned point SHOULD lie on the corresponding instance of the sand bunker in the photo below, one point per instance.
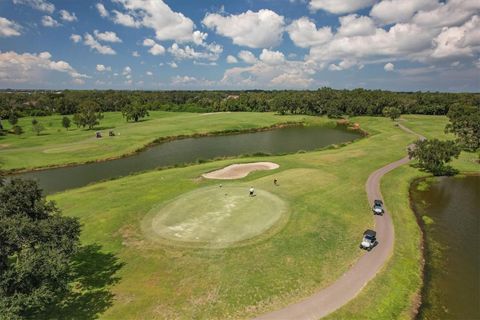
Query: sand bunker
(238, 171)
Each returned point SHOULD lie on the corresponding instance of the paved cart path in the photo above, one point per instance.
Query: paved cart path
(351, 282)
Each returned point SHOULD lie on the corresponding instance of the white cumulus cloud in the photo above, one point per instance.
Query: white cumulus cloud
(340, 6)
(90, 41)
(449, 13)
(262, 29)
(392, 11)
(125, 19)
(157, 15)
(231, 59)
(48, 21)
(304, 33)
(247, 56)
(157, 49)
(458, 41)
(343, 65)
(389, 67)
(102, 68)
(354, 25)
(33, 68)
(272, 57)
(107, 36)
(148, 42)
(101, 10)
(288, 74)
(40, 5)
(67, 16)
(180, 80)
(76, 38)
(9, 28)
(187, 52)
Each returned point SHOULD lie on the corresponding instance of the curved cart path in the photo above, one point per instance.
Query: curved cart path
(351, 282)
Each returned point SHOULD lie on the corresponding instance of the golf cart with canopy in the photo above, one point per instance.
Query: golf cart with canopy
(378, 207)
(369, 240)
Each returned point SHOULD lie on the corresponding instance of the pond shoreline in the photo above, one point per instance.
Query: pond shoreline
(181, 151)
(289, 124)
(425, 241)
(418, 300)
(153, 143)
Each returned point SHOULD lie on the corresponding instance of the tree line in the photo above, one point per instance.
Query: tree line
(324, 101)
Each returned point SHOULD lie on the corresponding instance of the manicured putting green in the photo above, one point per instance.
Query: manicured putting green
(217, 216)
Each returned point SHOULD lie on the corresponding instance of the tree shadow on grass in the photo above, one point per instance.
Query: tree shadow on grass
(445, 170)
(94, 274)
(140, 120)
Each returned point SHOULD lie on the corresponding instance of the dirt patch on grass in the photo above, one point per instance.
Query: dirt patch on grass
(238, 171)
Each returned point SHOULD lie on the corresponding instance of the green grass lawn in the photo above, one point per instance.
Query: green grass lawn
(394, 292)
(222, 215)
(56, 146)
(327, 213)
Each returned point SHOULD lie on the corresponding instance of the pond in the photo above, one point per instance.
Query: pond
(177, 152)
(449, 209)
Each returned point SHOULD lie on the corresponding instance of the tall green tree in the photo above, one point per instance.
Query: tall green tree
(134, 111)
(37, 127)
(88, 114)
(392, 113)
(66, 122)
(17, 130)
(465, 124)
(13, 119)
(37, 245)
(432, 155)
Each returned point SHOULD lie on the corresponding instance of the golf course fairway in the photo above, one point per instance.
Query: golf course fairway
(281, 262)
(217, 216)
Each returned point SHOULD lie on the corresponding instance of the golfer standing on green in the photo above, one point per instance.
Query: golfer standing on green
(252, 192)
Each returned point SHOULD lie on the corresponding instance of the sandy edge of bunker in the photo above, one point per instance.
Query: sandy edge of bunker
(238, 171)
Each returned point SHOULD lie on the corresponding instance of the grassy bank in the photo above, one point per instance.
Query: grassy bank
(328, 211)
(56, 146)
(395, 292)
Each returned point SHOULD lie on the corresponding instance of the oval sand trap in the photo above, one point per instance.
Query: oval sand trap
(237, 171)
(214, 217)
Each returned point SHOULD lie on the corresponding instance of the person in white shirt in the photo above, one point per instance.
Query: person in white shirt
(252, 192)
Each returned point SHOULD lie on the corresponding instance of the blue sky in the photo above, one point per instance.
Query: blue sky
(402, 45)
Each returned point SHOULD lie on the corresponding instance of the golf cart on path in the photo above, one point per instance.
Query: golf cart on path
(378, 207)
(369, 240)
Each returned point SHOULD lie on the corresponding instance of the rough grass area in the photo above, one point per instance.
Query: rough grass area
(57, 146)
(328, 211)
(394, 293)
(215, 217)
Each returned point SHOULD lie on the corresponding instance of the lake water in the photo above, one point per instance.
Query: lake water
(450, 209)
(278, 141)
